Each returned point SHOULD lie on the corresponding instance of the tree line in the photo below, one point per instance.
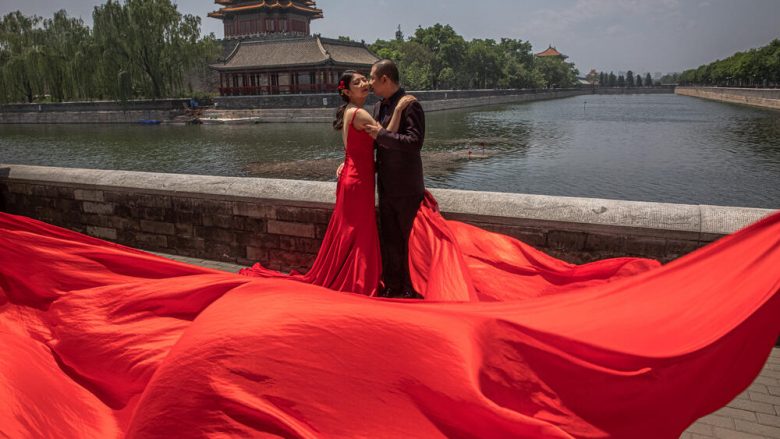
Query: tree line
(630, 79)
(756, 67)
(139, 48)
(147, 49)
(437, 57)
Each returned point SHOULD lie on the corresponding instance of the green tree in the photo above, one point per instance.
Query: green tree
(22, 52)
(612, 79)
(648, 80)
(638, 80)
(150, 44)
(518, 75)
(556, 72)
(483, 64)
(413, 59)
(755, 67)
(437, 57)
(516, 62)
(448, 49)
(67, 69)
(621, 81)
(630, 79)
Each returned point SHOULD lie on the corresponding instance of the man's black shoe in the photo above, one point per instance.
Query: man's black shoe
(411, 295)
(390, 293)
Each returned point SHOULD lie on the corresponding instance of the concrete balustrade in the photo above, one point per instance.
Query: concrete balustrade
(281, 223)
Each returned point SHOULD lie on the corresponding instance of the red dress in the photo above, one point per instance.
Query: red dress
(349, 258)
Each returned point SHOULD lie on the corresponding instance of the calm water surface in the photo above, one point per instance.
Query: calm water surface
(664, 148)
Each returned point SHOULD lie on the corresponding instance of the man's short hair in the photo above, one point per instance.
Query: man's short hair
(386, 67)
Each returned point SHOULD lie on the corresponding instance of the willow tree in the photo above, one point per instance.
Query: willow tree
(66, 67)
(21, 50)
(149, 46)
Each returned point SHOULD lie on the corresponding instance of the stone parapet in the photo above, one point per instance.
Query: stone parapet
(86, 117)
(755, 97)
(95, 112)
(299, 108)
(658, 89)
(251, 109)
(134, 105)
(281, 223)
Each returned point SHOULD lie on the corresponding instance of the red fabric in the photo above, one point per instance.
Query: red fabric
(104, 341)
(450, 260)
(349, 258)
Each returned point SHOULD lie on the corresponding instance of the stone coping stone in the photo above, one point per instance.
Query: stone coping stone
(591, 214)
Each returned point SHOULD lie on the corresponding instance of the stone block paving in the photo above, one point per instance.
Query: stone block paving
(754, 414)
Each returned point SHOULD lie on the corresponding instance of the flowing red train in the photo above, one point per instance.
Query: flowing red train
(100, 340)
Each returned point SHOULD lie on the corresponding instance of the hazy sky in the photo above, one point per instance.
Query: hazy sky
(640, 35)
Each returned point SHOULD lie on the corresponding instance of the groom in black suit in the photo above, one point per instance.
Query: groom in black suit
(399, 176)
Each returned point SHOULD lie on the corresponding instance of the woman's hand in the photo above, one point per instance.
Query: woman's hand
(405, 101)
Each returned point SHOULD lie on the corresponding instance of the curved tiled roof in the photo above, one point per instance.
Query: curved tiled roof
(307, 7)
(307, 51)
(345, 53)
(551, 51)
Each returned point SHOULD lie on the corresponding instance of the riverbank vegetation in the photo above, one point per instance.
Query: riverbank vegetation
(758, 67)
(139, 48)
(437, 57)
(628, 80)
(147, 49)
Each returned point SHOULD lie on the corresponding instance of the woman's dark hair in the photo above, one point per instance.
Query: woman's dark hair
(346, 79)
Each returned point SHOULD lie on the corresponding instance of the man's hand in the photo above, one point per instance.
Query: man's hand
(338, 171)
(373, 129)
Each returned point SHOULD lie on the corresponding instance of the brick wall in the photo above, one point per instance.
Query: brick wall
(280, 237)
(281, 223)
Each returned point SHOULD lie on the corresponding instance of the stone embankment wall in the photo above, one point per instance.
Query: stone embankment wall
(258, 109)
(255, 109)
(756, 97)
(269, 109)
(331, 100)
(92, 112)
(660, 89)
(281, 223)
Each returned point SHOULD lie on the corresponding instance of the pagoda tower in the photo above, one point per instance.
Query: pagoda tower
(269, 49)
(251, 19)
(551, 52)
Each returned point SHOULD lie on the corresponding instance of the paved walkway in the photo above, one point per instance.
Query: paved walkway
(755, 414)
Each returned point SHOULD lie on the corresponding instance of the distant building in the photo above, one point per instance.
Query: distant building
(551, 52)
(273, 51)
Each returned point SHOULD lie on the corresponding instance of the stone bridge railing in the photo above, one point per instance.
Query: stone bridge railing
(281, 222)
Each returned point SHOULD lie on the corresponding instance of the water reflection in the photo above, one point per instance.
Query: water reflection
(642, 147)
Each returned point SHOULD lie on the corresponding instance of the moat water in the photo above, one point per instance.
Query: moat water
(664, 148)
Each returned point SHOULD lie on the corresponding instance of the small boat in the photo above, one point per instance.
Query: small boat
(149, 122)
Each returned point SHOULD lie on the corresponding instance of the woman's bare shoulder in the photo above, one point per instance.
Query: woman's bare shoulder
(362, 118)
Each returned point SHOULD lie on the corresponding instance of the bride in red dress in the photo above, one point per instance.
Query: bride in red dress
(349, 258)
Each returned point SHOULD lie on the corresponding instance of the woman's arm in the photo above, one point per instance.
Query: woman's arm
(395, 121)
(363, 119)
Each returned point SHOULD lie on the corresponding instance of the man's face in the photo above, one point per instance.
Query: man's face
(379, 85)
